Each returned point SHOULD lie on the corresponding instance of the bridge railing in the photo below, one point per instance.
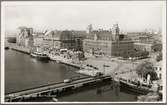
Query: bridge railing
(50, 87)
(44, 86)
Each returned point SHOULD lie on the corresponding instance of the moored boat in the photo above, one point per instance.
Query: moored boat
(39, 55)
(59, 58)
(135, 87)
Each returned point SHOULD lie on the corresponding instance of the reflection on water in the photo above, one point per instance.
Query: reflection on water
(116, 88)
(99, 91)
(104, 93)
(37, 61)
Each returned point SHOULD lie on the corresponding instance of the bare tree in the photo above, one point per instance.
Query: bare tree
(146, 68)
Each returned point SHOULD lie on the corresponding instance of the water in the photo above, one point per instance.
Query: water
(23, 72)
(107, 95)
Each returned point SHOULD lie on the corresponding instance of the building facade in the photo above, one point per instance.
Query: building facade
(144, 41)
(63, 40)
(143, 46)
(38, 40)
(107, 42)
(25, 37)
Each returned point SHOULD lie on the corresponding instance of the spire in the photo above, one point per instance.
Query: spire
(89, 28)
(115, 31)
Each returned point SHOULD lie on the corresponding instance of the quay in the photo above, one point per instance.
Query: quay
(20, 49)
(64, 61)
(53, 89)
(71, 64)
(27, 51)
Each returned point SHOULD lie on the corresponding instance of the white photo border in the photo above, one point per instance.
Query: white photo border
(5, 3)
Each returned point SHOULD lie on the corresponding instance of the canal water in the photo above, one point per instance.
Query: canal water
(23, 72)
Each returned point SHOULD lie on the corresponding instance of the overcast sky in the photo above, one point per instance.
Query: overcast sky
(131, 16)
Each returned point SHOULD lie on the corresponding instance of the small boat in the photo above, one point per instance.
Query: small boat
(39, 55)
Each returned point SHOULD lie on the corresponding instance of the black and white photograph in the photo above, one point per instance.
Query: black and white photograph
(83, 52)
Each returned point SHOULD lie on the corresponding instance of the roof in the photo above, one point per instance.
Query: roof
(100, 35)
(79, 33)
(53, 34)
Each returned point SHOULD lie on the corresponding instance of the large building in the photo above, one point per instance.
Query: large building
(79, 37)
(107, 42)
(64, 39)
(25, 37)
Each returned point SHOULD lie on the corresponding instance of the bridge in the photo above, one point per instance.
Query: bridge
(48, 90)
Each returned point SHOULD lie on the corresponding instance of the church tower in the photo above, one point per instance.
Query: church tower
(89, 28)
(115, 32)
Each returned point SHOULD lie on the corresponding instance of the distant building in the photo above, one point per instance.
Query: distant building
(55, 39)
(79, 37)
(135, 35)
(11, 39)
(25, 37)
(38, 39)
(64, 39)
(142, 37)
(143, 40)
(143, 46)
(107, 42)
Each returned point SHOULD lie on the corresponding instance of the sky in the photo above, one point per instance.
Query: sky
(131, 16)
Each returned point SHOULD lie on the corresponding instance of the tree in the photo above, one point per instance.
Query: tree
(156, 47)
(138, 53)
(146, 68)
(159, 57)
